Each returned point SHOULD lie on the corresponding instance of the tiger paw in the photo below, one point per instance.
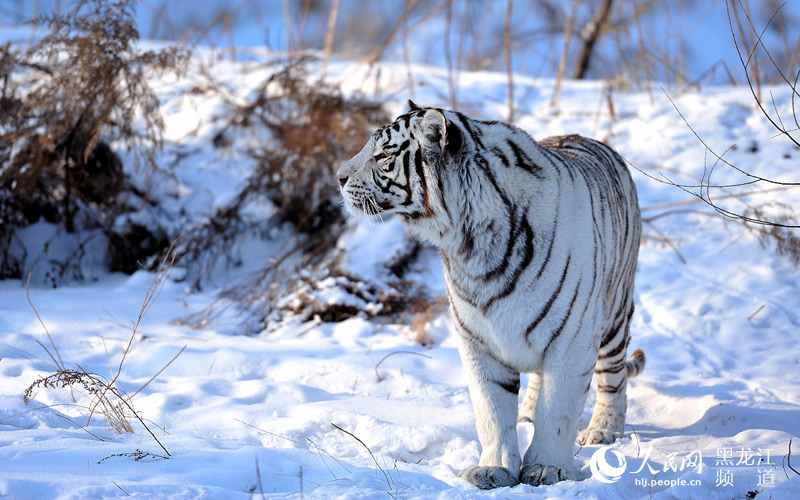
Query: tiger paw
(590, 436)
(538, 474)
(488, 477)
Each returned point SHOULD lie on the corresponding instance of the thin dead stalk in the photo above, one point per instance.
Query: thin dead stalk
(385, 475)
(152, 294)
(79, 426)
(749, 318)
(448, 57)
(380, 379)
(120, 488)
(643, 51)
(258, 479)
(667, 240)
(751, 71)
(59, 363)
(507, 52)
(789, 459)
(562, 63)
(158, 372)
(390, 37)
(287, 25)
(268, 432)
(330, 34)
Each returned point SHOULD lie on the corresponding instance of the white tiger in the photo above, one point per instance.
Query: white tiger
(539, 243)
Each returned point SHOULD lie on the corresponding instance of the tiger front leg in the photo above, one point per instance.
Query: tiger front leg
(493, 389)
(562, 393)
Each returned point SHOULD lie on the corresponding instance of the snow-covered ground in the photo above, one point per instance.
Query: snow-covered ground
(358, 409)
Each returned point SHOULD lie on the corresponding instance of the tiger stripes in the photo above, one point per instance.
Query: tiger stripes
(539, 244)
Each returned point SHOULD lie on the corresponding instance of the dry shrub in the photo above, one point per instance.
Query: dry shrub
(313, 128)
(65, 101)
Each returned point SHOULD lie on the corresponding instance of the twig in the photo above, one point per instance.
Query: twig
(789, 459)
(120, 487)
(507, 52)
(137, 456)
(201, 436)
(258, 478)
(746, 65)
(452, 78)
(329, 35)
(320, 451)
(695, 201)
(59, 363)
(79, 426)
(388, 481)
(636, 435)
(706, 197)
(268, 432)
(756, 312)
(158, 372)
(562, 64)
(666, 239)
(392, 354)
(152, 294)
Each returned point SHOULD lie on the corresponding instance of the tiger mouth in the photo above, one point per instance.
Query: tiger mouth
(366, 206)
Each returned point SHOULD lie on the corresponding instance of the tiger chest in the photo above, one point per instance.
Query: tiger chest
(560, 303)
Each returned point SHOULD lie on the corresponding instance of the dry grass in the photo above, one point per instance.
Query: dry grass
(96, 394)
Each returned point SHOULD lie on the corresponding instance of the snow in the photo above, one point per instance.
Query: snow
(357, 409)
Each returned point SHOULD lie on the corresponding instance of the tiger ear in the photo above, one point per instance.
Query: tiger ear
(434, 128)
(412, 106)
(438, 136)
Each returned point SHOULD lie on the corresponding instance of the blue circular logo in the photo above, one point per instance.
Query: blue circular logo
(604, 471)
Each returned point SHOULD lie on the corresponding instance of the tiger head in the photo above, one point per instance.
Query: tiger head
(400, 169)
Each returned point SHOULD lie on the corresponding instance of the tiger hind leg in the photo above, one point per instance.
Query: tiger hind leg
(612, 370)
(527, 411)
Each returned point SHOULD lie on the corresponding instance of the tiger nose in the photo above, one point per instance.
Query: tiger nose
(342, 180)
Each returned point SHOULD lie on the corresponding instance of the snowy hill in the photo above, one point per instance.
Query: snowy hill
(358, 408)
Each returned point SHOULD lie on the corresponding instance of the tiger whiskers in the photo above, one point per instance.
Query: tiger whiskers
(374, 208)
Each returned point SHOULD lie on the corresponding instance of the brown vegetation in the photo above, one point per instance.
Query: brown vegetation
(66, 102)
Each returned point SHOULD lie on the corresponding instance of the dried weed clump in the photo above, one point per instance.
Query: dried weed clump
(312, 128)
(66, 102)
(95, 394)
